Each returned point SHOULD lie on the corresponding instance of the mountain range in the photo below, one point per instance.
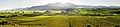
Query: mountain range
(64, 6)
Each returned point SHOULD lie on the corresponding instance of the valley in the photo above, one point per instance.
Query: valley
(61, 15)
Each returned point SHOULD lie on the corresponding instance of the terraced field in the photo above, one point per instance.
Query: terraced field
(62, 21)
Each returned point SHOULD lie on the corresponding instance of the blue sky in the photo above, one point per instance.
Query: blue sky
(9, 4)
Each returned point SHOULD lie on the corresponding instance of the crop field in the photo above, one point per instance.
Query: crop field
(62, 21)
(80, 17)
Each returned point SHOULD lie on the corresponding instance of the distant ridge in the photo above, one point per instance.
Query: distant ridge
(59, 5)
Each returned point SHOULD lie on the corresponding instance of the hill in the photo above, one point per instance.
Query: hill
(61, 6)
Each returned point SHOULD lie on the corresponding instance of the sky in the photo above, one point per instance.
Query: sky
(10, 4)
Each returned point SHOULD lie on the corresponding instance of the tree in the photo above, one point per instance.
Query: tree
(47, 12)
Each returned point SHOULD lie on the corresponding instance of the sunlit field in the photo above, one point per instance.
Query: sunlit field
(62, 21)
(78, 17)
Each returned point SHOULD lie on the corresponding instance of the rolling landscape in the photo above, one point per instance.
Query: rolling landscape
(61, 15)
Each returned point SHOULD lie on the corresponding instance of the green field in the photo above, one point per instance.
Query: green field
(62, 21)
(76, 17)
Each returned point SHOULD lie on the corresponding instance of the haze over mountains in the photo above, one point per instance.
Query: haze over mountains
(64, 6)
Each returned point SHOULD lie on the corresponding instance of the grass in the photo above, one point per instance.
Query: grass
(63, 21)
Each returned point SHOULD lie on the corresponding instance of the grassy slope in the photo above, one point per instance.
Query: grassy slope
(62, 21)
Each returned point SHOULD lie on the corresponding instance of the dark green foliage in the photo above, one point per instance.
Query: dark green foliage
(47, 12)
(33, 14)
(95, 11)
(70, 12)
(3, 23)
(115, 12)
(117, 26)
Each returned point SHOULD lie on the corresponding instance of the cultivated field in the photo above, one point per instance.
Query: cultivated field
(76, 17)
(62, 21)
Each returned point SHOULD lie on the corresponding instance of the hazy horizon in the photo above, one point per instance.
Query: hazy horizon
(9, 4)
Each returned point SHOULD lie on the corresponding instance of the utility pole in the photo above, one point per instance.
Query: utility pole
(69, 21)
(70, 25)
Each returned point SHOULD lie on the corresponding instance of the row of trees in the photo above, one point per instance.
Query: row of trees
(95, 11)
(73, 11)
(20, 14)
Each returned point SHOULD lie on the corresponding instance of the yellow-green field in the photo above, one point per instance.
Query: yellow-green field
(62, 21)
